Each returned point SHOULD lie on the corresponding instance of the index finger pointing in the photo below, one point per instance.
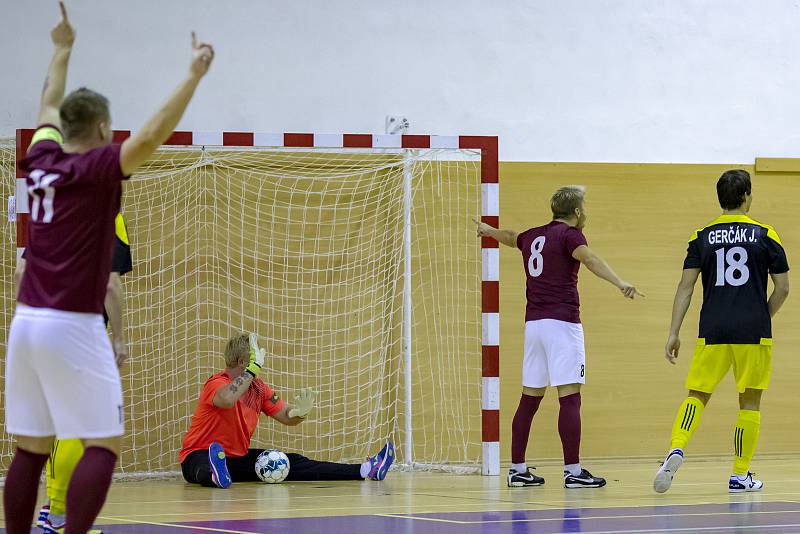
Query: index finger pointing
(63, 10)
(194, 40)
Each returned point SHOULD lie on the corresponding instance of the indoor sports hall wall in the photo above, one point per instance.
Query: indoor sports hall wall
(567, 80)
(640, 219)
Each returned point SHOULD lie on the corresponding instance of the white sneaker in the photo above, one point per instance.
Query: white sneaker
(737, 485)
(667, 470)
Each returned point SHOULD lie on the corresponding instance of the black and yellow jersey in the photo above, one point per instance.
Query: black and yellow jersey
(121, 262)
(735, 255)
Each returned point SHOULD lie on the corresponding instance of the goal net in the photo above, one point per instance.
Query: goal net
(307, 247)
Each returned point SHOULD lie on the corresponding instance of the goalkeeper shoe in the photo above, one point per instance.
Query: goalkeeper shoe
(381, 462)
(219, 466)
(44, 512)
(737, 484)
(519, 480)
(667, 470)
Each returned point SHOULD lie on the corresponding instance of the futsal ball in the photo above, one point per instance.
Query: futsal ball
(272, 466)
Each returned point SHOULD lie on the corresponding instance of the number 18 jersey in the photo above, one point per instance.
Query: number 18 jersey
(735, 255)
(551, 271)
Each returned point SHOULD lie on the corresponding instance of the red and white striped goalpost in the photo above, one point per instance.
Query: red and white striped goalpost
(490, 214)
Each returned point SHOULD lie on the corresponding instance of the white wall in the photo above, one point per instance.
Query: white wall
(558, 80)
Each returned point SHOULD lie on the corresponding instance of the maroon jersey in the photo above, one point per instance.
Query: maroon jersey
(73, 200)
(551, 271)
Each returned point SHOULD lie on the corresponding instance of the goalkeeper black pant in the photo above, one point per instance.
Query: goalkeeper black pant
(196, 468)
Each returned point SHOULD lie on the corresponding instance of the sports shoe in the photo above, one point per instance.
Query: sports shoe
(584, 480)
(667, 470)
(49, 528)
(219, 466)
(735, 485)
(519, 480)
(381, 462)
(44, 512)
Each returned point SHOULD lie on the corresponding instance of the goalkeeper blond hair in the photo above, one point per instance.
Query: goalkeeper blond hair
(237, 349)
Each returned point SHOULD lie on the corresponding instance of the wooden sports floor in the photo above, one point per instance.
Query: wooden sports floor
(436, 503)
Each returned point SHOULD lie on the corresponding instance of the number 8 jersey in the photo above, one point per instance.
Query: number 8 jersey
(735, 255)
(551, 271)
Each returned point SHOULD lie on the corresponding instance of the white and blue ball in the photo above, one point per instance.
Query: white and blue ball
(272, 466)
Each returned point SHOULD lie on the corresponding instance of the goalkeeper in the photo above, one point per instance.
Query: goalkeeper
(216, 449)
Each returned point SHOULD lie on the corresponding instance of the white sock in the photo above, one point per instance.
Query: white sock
(520, 468)
(57, 520)
(741, 478)
(366, 467)
(573, 469)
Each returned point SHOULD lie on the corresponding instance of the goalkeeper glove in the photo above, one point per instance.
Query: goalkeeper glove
(257, 356)
(303, 403)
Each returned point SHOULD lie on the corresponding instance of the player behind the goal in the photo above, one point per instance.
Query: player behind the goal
(554, 348)
(61, 376)
(216, 449)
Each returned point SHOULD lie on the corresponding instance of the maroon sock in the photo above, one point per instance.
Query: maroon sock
(521, 426)
(569, 427)
(19, 494)
(88, 488)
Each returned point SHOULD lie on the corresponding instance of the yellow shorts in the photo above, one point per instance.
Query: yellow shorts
(751, 366)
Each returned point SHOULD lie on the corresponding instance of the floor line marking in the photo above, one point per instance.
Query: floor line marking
(431, 519)
(175, 525)
(687, 529)
(589, 518)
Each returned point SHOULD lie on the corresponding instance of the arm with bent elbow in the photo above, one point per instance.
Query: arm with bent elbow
(292, 415)
(600, 268)
(226, 396)
(779, 292)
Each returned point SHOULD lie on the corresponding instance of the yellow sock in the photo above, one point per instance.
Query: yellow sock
(686, 422)
(745, 439)
(64, 457)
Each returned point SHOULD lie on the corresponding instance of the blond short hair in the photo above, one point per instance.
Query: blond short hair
(566, 200)
(238, 347)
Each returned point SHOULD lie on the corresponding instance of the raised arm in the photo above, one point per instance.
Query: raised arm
(506, 237)
(599, 267)
(779, 292)
(141, 145)
(115, 309)
(63, 35)
(683, 297)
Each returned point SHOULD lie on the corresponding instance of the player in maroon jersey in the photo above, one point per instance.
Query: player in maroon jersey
(61, 376)
(554, 349)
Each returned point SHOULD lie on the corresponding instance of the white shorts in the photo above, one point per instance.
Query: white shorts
(61, 376)
(554, 354)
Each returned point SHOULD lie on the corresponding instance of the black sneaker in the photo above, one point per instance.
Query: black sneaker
(518, 480)
(584, 480)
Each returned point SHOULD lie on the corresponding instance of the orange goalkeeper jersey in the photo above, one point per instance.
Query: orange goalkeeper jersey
(232, 427)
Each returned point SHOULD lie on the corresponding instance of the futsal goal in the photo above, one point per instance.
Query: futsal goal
(355, 259)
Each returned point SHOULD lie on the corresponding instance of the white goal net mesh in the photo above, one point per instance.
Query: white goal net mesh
(306, 248)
